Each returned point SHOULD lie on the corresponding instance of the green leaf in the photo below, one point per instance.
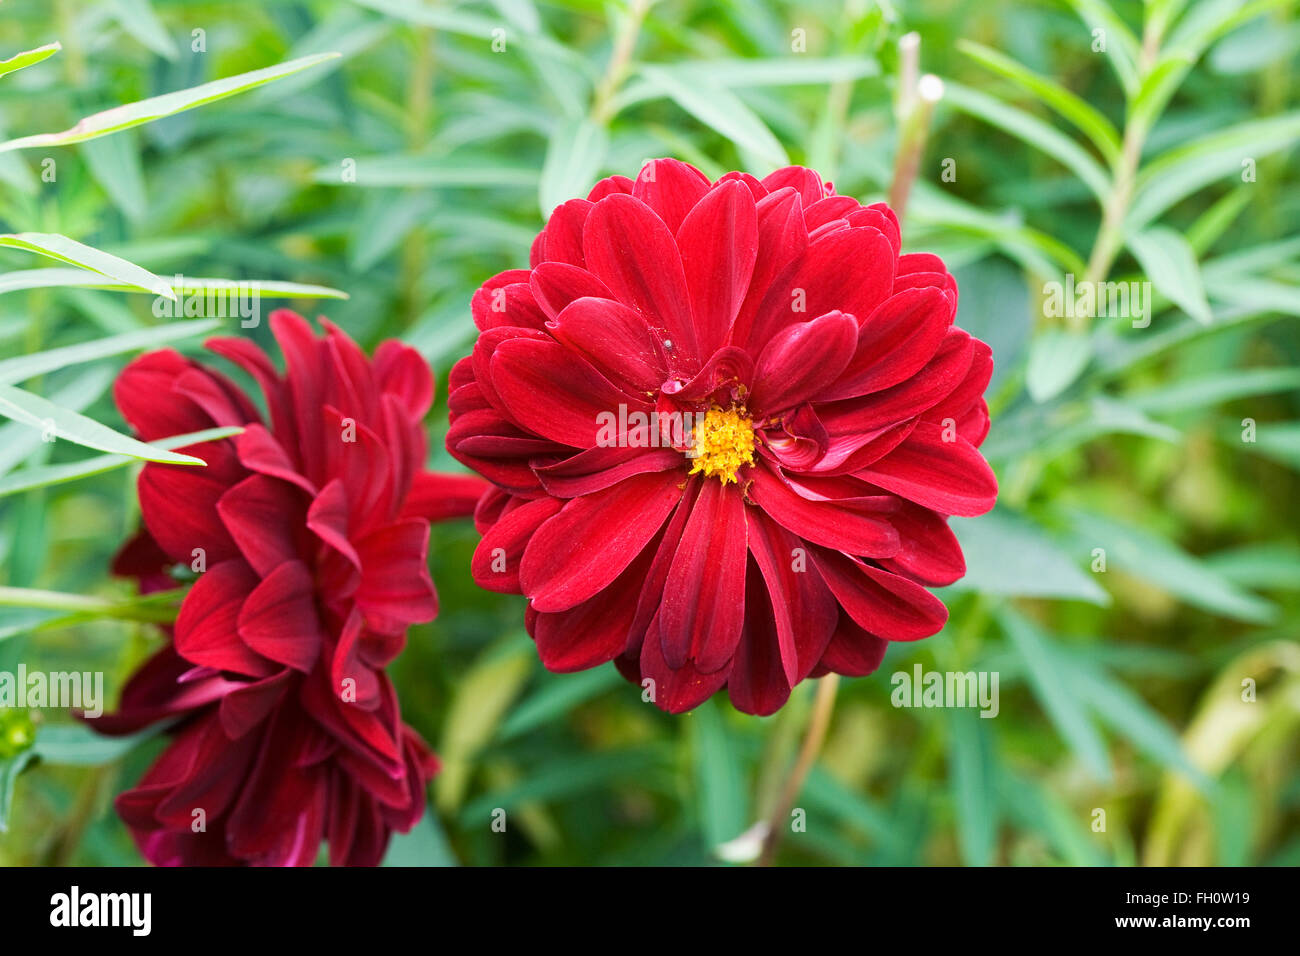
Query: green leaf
(23, 367)
(28, 57)
(430, 172)
(425, 845)
(1259, 566)
(77, 745)
(70, 251)
(557, 697)
(1121, 44)
(1129, 715)
(138, 19)
(188, 285)
(18, 440)
(1051, 686)
(45, 475)
(39, 413)
(1185, 169)
(1056, 358)
(114, 161)
(1153, 95)
(972, 774)
(1216, 389)
(1031, 130)
(574, 157)
(566, 777)
(1170, 264)
(10, 768)
(721, 110)
(1279, 441)
(481, 699)
(719, 780)
(156, 107)
(1006, 554)
(1151, 558)
(1086, 118)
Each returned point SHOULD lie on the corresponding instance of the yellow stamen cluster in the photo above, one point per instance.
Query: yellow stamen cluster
(724, 440)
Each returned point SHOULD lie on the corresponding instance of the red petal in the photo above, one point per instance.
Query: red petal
(884, 604)
(633, 253)
(615, 340)
(671, 188)
(801, 361)
(895, 342)
(556, 284)
(676, 690)
(801, 607)
(396, 590)
(718, 242)
(495, 565)
(207, 626)
(822, 522)
(929, 552)
(550, 390)
(703, 604)
(278, 619)
(578, 552)
(851, 270)
(951, 477)
(852, 651)
(262, 514)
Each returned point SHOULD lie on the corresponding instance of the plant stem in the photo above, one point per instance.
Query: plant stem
(154, 607)
(1110, 236)
(818, 723)
(616, 72)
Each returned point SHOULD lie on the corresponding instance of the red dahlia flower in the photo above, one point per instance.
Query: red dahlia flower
(311, 536)
(817, 420)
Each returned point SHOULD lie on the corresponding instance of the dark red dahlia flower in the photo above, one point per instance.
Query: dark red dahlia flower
(309, 535)
(726, 423)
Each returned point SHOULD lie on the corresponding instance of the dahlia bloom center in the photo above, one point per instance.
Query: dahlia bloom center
(723, 441)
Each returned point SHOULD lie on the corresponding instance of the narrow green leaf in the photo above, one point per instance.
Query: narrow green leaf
(45, 475)
(718, 108)
(77, 745)
(10, 768)
(427, 172)
(1129, 715)
(39, 413)
(574, 156)
(557, 697)
(1056, 359)
(972, 774)
(1051, 686)
(1007, 554)
(138, 19)
(157, 107)
(75, 253)
(1085, 117)
(1031, 130)
(28, 57)
(1185, 169)
(425, 845)
(1215, 389)
(719, 780)
(114, 161)
(188, 285)
(23, 367)
(1170, 264)
(1152, 559)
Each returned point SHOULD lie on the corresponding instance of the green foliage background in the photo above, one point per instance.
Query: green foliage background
(1121, 691)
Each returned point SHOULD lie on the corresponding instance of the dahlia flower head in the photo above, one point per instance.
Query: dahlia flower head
(309, 532)
(726, 423)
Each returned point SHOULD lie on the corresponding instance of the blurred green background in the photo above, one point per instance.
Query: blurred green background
(1171, 159)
